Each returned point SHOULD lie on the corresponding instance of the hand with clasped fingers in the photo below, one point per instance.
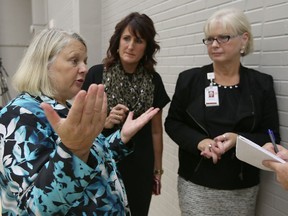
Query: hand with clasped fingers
(86, 120)
(116, 116)
(280, 169)
(215, 148)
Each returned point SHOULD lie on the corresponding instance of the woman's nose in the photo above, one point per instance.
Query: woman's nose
(215, 42)
(131, 44)
(83, 68)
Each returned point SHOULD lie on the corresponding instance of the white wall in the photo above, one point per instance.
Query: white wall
(90, 29)
(15, 20)
(179, 25)
(80, 16)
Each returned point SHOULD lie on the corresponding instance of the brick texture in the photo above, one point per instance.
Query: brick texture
(179, 25)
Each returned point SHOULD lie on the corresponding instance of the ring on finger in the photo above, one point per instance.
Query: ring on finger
(210, 146)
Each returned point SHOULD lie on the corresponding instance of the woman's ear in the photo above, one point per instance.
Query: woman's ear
(245, 38)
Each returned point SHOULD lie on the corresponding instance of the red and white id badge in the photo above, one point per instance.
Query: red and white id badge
(211, 96)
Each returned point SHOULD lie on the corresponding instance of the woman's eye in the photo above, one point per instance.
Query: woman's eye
(139, 40)
(210, 39)
(126, 38)
(223, 37)
(74, 61)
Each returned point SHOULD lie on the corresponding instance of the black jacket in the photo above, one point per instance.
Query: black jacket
(186, 125)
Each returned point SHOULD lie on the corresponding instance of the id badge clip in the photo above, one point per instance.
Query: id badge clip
(211, 92)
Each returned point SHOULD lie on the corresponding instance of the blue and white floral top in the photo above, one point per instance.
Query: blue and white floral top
(40, 176)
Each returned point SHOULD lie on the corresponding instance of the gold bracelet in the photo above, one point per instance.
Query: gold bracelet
(158, 172)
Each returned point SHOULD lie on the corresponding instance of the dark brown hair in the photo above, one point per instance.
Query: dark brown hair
(139, 24)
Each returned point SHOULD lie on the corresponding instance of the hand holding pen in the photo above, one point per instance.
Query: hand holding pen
(279, 168)
(283, 152)
(272, 138)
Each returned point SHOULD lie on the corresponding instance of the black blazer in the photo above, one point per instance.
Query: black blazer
(186, 125)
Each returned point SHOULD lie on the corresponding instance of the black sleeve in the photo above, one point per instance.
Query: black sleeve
(94, 75)
(161, 98)
(178, 124)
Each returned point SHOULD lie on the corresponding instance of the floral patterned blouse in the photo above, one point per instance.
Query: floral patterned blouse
(40, 176)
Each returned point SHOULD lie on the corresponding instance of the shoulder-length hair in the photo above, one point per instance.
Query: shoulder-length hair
(139, 24)
(232, 19)
(32, 75)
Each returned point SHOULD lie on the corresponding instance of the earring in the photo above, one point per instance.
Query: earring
(242, 51)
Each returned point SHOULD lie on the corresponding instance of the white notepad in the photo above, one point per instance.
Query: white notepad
(253, 154)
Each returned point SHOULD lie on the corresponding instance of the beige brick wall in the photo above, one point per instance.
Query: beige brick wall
(179, 25)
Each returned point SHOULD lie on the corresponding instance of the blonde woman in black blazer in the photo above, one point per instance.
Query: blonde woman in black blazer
(212, 181)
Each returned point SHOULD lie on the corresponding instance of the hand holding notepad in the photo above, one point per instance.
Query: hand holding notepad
(253, 154)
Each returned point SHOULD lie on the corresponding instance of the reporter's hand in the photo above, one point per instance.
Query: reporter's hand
(281, 171)
(84, 122)
(283, 152)
(132, 126)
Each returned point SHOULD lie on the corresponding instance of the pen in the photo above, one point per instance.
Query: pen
(272, 138)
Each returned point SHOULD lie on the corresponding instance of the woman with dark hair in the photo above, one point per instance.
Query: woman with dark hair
(131, 83)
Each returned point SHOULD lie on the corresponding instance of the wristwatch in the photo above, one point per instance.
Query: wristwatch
(158, 172)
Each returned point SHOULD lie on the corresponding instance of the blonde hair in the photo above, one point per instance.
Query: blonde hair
(232, 19)
(32, 75)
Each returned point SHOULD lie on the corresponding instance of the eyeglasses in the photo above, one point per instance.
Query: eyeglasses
(220, 39)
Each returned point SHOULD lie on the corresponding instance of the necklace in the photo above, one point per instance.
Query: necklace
(225, 87)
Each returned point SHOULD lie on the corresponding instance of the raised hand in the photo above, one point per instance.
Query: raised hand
(131, 127)
(84, 122)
